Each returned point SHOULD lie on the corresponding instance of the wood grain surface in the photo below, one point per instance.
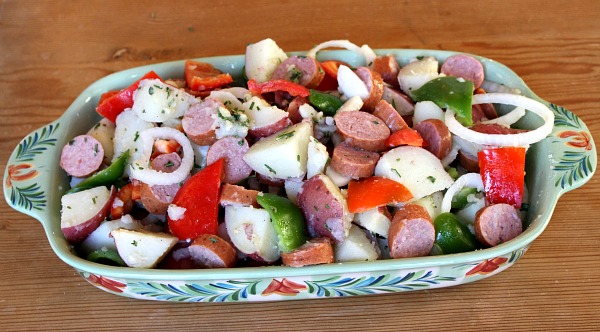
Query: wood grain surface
(51, 50)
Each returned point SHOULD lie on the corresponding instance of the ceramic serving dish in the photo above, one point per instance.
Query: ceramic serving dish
(34, 184)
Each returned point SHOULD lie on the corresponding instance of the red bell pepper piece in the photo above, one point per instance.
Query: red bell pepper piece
(405, 136)
(503, 173)
(292, 88)
(329, 82)
(199, 195)
(375, 191)
(112, 106)
(202, 76)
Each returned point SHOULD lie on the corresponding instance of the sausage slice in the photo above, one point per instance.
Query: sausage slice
(465, 66)
(198, 121)
(315, 251)
(237, 195)
(210, 251)
(374, 84)
(231, 149)
(388, 68)
(362, 130)
(353, 162)
(497, 223)
(411, 232)
(436, 134)
(389, 115)
(303, 70)
(82, 156)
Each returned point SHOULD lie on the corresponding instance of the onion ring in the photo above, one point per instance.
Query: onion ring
(142, 172)
(466, 180)
(519, 139)
(365, 50)
(508, 118)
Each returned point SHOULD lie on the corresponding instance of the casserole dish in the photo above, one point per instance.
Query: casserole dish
(34, 184)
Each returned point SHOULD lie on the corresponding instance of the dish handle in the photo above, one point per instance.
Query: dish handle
(30, 181)
(573, 156)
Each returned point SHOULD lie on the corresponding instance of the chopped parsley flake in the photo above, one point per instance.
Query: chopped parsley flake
(270, 169)
(169, 164)
(431, 178)
(241, 142)
(396, 171)
(134, 243)
(213, 239)
(252, 105)
(137, 135)
(94, 199)
(151, 90)
(284, 135)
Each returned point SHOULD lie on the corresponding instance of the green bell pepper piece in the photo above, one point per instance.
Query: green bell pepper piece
(451, 236)
(449, 92)
(459, 200)
(325, 102)
(287, 219)
(108, 256)
(105, 177)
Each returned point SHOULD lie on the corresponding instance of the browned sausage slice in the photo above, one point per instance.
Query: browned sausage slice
(210, 251)
(324, 209)
(468, 161)
(488, 109)
(82, 156)
(493, 128)
(156, 199)
(388, 68)
(436, 134)
(353, 162)
(300, 69)
(374, 84)
(362, 130)
(390, 116)
(315, 251)
(198, 121)
(465, 66)
(497, 223)
(231, 149)
(411, 232)
(237, 195)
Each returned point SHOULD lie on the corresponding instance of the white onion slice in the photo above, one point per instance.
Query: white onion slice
(352, 104)
(140, 169)
(350, 84)
(519, 139)
(472, 180)
(508, 118)
(368, 53)
(365, 50)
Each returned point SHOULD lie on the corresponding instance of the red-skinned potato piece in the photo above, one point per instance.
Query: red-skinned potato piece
(199, 196)
(82, 212)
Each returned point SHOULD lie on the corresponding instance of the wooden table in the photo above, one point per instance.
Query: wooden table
(51, 50)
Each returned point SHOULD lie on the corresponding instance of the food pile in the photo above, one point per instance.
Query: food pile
(303, 162)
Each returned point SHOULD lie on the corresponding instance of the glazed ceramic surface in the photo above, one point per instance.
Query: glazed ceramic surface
(34, 184)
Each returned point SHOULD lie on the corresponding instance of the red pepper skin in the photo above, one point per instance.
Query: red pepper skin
(405, 136)
(278, 85)
(503, 173)
(112, 106)
(375, 191)
(329, 81)
(199, 195)
(202, 76)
